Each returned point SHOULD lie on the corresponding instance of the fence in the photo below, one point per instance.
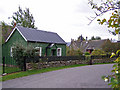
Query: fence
(10, 65)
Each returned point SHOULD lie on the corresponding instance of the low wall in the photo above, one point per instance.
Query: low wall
(41, 65)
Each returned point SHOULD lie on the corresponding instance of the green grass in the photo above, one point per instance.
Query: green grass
(11, 69)
(31, 72)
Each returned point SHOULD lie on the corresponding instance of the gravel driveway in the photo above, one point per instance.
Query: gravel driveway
(78, 77)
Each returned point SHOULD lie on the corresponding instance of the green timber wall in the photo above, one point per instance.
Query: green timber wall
(44, 45)
(16, 37)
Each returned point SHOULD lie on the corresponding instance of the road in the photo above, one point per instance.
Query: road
(78, 77)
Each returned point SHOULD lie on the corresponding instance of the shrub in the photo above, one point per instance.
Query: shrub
(98, 52)
(87, 53)
(114, 78)
(20, 52)
(72, 52)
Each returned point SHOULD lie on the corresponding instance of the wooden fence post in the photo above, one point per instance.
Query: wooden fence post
(90, 63)
(3, 64)
(25, 63)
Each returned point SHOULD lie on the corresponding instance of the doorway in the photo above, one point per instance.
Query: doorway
(53, 52)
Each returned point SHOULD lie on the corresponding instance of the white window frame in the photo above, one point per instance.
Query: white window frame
(40, 54)
(40, 50)
(59, 53)
(11, 51)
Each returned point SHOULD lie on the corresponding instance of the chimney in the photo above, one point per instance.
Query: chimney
(86, 38)
(81, 38)
(14, 24)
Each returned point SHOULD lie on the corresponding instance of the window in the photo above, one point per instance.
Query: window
(11, 51)
(59, 51)
(39, 51)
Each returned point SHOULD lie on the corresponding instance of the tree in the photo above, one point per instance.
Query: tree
(6, 30)
(114, 23)
(110, 47)
(72, 52)
(95, 38)
(98, 38)
(23, 18)
(81, 38)
(106, 6)
(92, 38)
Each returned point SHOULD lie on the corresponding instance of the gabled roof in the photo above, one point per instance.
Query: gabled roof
(35, 35)
(90, 44)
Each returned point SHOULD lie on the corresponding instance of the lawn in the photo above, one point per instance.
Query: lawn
(9, 69)
(31, 72)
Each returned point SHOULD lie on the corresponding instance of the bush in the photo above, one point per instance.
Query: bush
(87, 53)
(98, 52)
(72, 52)
(20, 52)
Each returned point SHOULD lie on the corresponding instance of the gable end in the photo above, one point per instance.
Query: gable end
(13, 32)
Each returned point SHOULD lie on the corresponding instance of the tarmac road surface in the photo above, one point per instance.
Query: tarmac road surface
(78, 77)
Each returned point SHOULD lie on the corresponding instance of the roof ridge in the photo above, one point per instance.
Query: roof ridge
(36, 29)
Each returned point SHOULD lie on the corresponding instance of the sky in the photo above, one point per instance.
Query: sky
(68, 18)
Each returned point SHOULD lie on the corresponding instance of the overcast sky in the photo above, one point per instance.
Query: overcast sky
(68, 18)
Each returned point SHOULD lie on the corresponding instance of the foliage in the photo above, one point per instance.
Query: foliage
(87, 53)
(6, 30)
(104, 7)
(20, 52)
(114, 79)
(72, 52)
(95, 38)
(81, 38)
(113, 22)
(109, 47)
(98, 52)
(23, 18)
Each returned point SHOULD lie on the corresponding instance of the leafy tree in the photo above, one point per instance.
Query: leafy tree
(92, 38)
(95, 38)
(72, 52)
(98, 38)
(23, 18)
(6, 30)
(81, 38)
(114, 23)
(104, 7)
(110, 47)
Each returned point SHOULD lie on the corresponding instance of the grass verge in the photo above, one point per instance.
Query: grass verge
(31, 72)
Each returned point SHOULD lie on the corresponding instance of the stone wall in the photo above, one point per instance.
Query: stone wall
(41, 65)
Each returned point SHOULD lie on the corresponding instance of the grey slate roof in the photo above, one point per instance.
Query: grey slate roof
(90, 44)
(40, 36)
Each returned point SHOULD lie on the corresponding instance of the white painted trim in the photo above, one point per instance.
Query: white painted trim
(11, 51)
(40, 50)
(59, 52)
(21, 34)
(13, 32)
(10, 34)
(40, 54)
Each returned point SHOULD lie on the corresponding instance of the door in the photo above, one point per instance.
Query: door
(53, 52)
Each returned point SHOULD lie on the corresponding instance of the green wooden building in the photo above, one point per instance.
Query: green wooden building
(47, 43)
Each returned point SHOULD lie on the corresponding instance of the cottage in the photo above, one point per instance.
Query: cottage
(87, 45)
(47, 43)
